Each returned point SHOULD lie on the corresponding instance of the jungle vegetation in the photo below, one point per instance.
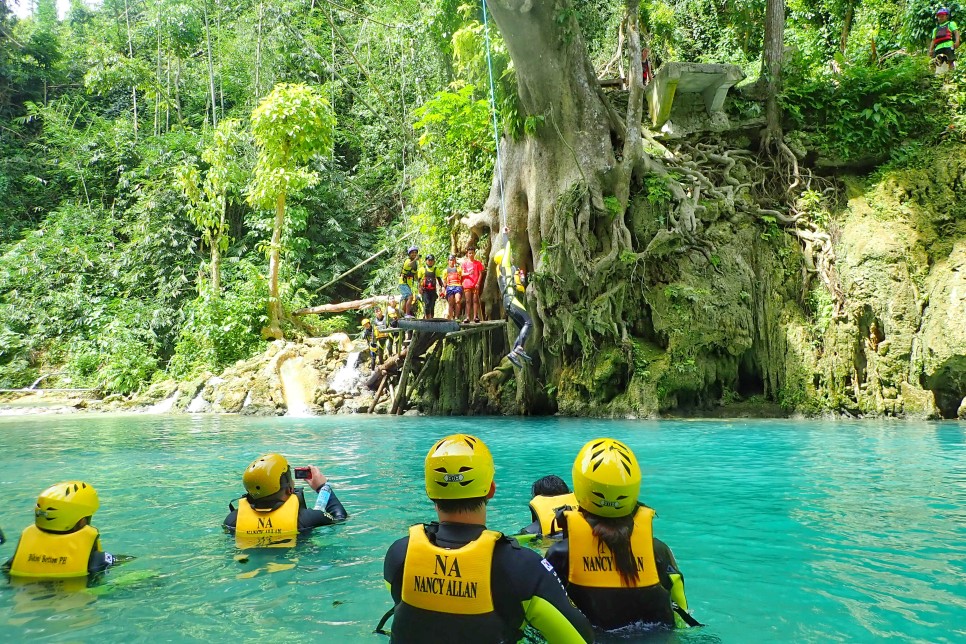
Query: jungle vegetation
(177, 176)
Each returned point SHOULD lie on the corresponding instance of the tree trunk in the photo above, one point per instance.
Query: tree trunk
(846, 28)
(771, 68)
(130, 55)
(274, 329)
(211, 68)
(566, 191)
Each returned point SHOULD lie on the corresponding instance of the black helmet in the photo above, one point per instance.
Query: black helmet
(431, 258)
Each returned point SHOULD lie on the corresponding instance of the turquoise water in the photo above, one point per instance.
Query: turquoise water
(786, 530)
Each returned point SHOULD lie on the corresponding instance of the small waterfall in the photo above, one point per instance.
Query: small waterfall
(198, 405)
(296, 388)
(165, 406)
(347, 378)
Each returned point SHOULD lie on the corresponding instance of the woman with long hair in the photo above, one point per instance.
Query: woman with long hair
(614, 569)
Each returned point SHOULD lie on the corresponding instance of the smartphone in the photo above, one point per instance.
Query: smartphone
(303, 473)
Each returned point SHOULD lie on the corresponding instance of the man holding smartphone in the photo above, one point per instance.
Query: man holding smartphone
(274, 512)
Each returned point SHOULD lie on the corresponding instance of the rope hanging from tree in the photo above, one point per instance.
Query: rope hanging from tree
(496, 130)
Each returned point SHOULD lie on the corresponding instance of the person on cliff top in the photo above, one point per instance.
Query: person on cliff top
(454, 289)
(62, 543)
(616, 572)
(273, 511)
(945, 38)
(407, 281)
(430, 284)
(549, 495)
(472, 270)
(513, 284)
(458, 578)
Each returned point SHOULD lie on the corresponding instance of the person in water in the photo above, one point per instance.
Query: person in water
(472, 271)
(61, 543)
(512, 283)
(407, 281)
(430, 284)
(616, 572)
(273, 511)
(549, 495)
(945, 38)
(467, 584)
(454, 289)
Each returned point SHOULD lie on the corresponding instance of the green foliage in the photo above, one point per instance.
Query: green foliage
(291, 126)
(658, 192)
(864, 111)
(219, 330)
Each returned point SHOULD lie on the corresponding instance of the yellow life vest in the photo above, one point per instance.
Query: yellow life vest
(272, 529)
(54, 556)
(449, 581)
(591, 562)
(544, 509)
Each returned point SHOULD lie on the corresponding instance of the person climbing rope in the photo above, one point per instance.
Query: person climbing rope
(430, 284)
(407, 281)
(454, 289)
(472, 270)
(945, 40)
(616, 572)
(512, 283)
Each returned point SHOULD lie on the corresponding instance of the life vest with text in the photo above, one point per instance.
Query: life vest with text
(52, 555)
(267, 529)
(448, 590)
(592, 562)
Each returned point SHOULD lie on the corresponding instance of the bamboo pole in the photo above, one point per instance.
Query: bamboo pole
(341, 307)
(359, 265)
(401, 387)
(375, 401)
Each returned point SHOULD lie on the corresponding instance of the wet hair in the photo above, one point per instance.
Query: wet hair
(459, 506)
(551, 485)
(615, 532)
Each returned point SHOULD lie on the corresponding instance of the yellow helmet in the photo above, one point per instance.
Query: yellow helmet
(61, 506)
(498, 258)
(607, 478)
(459, 467)
(365, 321)
(264, 476)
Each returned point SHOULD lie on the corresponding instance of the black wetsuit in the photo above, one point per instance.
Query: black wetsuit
(610, 608)
(308, 518)
(525, 589)
(505, 276)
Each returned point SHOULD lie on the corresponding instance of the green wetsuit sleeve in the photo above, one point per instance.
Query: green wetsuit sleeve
(554, 625)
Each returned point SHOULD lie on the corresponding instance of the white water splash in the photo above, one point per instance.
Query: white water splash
(165, 406)
(295, 388)
(198, 405)
(347, 378)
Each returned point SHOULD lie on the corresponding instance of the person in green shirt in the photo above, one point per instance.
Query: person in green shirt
(407, 281)
(945, 38)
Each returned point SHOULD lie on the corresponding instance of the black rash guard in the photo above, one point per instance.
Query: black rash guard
(308, 518)
(610, 608)
(525, 591)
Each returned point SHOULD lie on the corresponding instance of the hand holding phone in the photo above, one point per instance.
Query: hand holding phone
(303, 472)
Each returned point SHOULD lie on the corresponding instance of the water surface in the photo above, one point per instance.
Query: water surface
(785, 530)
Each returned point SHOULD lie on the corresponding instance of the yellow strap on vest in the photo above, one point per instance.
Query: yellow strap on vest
(274, 529)
(592, 561)
(544, 507)
(54, 556)
(449, 581)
